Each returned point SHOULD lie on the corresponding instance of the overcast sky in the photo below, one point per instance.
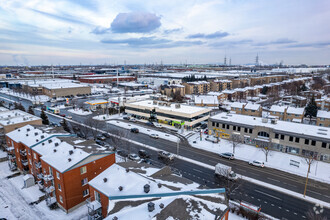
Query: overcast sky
(56, 32)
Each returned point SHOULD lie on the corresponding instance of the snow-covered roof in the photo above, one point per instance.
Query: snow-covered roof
(10, 117)
(222, 80)
(198, 82)
(277, 108)
(323, 114)
(296, 111)
(206, 99)
(284, 126)
(54, 83)
(237, 104)
(252, 106)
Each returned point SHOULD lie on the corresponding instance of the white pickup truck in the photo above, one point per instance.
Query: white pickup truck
(225, 171)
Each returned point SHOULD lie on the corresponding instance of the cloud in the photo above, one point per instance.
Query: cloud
(218, 34)
(151, 42)
(100, 30)
(276, 42)
(171, 31)
(62, 17)
(313, 45)
(135, 22)
(230, 43)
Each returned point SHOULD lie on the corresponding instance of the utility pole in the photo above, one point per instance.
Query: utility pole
(309, 167)
(177, 147)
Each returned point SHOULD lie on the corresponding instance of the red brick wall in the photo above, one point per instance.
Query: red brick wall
(104, 200)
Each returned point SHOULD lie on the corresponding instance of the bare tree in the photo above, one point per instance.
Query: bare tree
(312, 215)
(235, 140)
(93, 125)
(265, 148)
(309, 158)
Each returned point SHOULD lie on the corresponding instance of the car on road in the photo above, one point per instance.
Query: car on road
(62, 115)
(107, 135)
(227, 155)
(206, 131)
(165, 155)
(109, 147)
(212, 139)
(69, 117)
(257, 163)
(122, 153)
(150, 123)
(126, 118)
(132, 119)
(147, 161)
(134, 157)
(101, 137)
(158, 125)
(135, 130)
(143, 154)
(156, 136)
(99, 142)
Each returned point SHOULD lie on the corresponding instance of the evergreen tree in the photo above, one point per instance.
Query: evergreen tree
(311, 110)
(21, 107)
(44, 118)
(65, 125)
(264, 90)
(15, 105)
(30, 110)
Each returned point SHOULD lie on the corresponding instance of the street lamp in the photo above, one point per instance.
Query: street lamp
(177, 146)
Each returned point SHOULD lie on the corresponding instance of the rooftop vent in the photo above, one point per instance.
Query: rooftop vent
(19, 129)
(146, 188)
(127, 170)
(56, 144)
(70, 152)
(42, 136)
(61, 140)
(224, 117)
(54, 150)
(43, 144)
(37, 140)
(322, 129)
(159, 185)
(50, 141)
(151, 206)
(177, 105)
(105, 180)
(28, 129)
(69, 159)
(120, 188)
(321, 133)
(27, 134)
(161, 205)
(263, 120)
(115, 218)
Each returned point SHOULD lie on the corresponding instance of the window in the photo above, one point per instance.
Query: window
(213, 123)
(245, 130)
(250, 131)
(97, 196)
(291, 138)
(307, 141)
(324, 145)
(234, 128)
(263, 134)
(59, 187)
(57, 175)
(83, 170)
(85, 192)
(228, 126)
(61, 199)
(282, 136)
(313, 143)
(297, 140)
(29, 151)
(84, 181)
(34, 156)
(217, 125)
(276, 136)
(238, 128)
(30, 161)
(50, 171)
(223, 125)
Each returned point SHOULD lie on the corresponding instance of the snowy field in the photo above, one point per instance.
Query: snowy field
(40, 98)
(3, 154)
(107, 117)
(79, 111)
(144, 130)
(277, 160)
(14, 201)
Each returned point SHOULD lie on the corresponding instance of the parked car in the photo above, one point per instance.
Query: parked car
(143, 154)
(132, 119)
(99, 142)
(227, 155)
(206, 131)
(147, 161)
(122, 153)
(107, 135)
(257, 163)
(134, 157)
(134, 130)
(156, 136)
(109, 147)
(62, 115)
(212, 139)
(157, 125)
(165, 155)
(126, 118)
(203, 126)
(69, 117)
(101, 137)
(150, 123)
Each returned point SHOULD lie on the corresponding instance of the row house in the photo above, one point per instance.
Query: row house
(285, 113)
(323, 118)
(198, 87)
(220, 85)
(295, 100)
(251, 109)
(312, 94)
(323, 104)
(61, 163)
(170, 90)
(150, 192)
(240, 83)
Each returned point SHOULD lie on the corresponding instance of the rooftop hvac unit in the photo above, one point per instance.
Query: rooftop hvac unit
(177, 106)
(154, 102)
(273, 121)
(168, 104)
(264, 120)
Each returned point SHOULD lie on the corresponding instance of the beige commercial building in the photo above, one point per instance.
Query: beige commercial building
(287, 137)
(220, 85)
(198, 87)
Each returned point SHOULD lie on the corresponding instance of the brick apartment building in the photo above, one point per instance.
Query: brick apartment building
(220, 85)
(198, 87)
(61, 163)
(285, 113)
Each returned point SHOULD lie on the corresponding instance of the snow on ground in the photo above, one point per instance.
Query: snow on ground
(144, 130)
(14, 201)
(107, 117)
(41, 98)
(3, 154)
(277, 160)
(79, 111)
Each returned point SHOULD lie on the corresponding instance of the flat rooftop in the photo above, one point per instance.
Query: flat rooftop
(11, 117)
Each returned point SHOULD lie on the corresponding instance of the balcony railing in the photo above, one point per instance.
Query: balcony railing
(94, 209)
(41, 185)
(38, 165)
(23, 153)
(40, 176)
(25, 163)
(48, 177)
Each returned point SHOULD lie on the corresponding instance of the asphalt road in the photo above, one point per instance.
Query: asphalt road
(272, 202)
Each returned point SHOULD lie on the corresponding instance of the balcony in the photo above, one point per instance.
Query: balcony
(38, 165)
(94, 209)
(22, 153)
(41, 184)
(48, 177)
(49, 189)
(40, 176)
(25, 163)
(11, 156)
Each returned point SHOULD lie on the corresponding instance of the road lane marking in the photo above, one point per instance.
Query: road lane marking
(280, 207)
(273, 179)
(272, 204)
(315, 192)
(287, 210)
(198, 170)
(240, 169)
(295, 213)
(267, 194)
